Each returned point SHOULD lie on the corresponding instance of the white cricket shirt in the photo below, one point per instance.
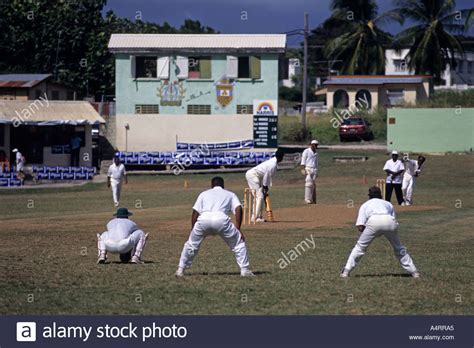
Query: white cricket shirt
(265, 171)
(374, 206)
(310, 159)
(217, 200)
(116, 172)
(20, 163)
(411, 167)
(394, 167)
(121, 228)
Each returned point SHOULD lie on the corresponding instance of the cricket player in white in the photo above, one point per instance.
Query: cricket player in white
(115, 175)
(394, 169)
(259, 178)
(122, 237)
(412, 170)
(309, 168)
(211, 217)
(20, 165)
(377, 217)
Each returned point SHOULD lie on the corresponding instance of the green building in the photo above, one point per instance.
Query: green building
(194, 88)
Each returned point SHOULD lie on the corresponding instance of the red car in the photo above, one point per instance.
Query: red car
(356, 128)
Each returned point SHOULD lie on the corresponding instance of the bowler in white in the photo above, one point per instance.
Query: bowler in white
(259, 178)
(412, 171)
(115, 175)
(376, 218)
(309, 168)
(122, 237)
(211, 217)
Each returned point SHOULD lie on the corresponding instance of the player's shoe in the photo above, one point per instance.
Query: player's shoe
(179, 272)
(102, 258)
(407, 204)
(136, 260)
(246, 273)
(260, 220)
(344, 274)
(415, 274)
(116, 204)
(403, 204)
(308, 202)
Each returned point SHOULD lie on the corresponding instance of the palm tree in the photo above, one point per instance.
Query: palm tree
(432, 40)
(361, 47)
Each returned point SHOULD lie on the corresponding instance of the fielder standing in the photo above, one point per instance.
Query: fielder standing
(377, 217)
(20, 165)
(309, 168)
(122, 237)
(210, 217)
(412, 170)
(259, 178)
(115, 175)
(394, 169)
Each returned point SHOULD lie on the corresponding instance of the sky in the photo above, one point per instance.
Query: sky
(227, 16)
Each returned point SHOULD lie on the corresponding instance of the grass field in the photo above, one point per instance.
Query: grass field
(48, 248)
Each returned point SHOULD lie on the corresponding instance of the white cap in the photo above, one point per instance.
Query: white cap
(15, 150)
(394, 152)
(314, 142)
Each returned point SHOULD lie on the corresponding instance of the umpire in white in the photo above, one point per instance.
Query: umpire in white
(309, 168)
(377, 217)
(211, 217)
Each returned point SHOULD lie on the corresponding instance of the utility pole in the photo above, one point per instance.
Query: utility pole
(305, 73)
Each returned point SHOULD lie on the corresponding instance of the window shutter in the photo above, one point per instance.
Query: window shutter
(183, 67)
(163, 68)
(255, 67)
(133, 67)
(205, 67)
(232, 67)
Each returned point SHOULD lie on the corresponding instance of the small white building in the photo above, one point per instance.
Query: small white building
(290, 70)
(460, 78)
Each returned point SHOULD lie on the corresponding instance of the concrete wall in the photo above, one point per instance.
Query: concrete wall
(431, 130)
(131, 91)
(159, 132)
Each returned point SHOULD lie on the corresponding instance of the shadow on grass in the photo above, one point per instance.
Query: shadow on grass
(125, 263)
(405, 275)
(224, 273)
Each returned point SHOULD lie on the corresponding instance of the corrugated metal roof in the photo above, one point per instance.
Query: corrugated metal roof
(45, 112)
(373, 80)
(22, 80)
(127, 42)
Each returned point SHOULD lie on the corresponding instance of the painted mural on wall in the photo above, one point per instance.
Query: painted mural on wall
(224, 91)
(171, 93)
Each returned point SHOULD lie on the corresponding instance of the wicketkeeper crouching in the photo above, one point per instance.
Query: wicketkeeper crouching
(122, 237)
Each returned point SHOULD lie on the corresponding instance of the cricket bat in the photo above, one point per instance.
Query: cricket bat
(268, 207)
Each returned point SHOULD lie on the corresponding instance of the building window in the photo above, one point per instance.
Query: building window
(249, 67)
(341, 99)
(199, 67)
(364, 99)
(146, 67)
(55, 95)
(396, 96)
(199, 109)
(70, 95)
(8, 94)
(461, 66)
(244, 68)
(147, 109)
(245, 109)
(469, 67)
(400, 65)
(38, 93)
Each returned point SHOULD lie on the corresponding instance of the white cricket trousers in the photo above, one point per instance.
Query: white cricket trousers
(108, 242)
(214, 223)
(376, 226)
(408, 185)
(116, 186)
(255, 183)
(310, 184)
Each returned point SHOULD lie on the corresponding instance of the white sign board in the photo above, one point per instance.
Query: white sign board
(267, 107)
